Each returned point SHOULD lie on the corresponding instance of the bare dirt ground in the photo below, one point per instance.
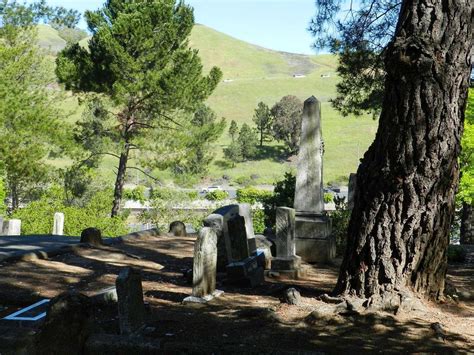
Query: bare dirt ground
(242, 320)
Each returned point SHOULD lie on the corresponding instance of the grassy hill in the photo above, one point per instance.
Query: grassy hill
(253, 74)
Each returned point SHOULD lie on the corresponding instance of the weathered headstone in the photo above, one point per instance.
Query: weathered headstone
(351, 192)
(239, 248)
(178, 229)
(204, 267)
(13, 227)
(130, 301)
(58, 226)
(314, 242)
(68, 324)
(92, 236)
(286, 261)
(218, 221)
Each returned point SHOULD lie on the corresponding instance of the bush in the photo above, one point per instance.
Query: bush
(137, 194)
(456, 254)
(258, 219)
(340, 224)
(243, 180)
(252, 195)
(283, 196)
(217, 195)
(328, 197)
(38, 216)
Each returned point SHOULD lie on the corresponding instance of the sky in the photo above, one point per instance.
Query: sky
(274, 24)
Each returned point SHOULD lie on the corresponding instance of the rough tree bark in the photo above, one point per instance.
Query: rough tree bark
(404, 204)
(467, 224)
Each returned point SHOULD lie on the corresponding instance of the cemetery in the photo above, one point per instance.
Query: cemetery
(223, 289)
(148, 205)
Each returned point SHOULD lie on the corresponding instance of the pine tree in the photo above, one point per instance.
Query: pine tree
(247, 141)
(139, 57)
(263, 120)
(233, 130)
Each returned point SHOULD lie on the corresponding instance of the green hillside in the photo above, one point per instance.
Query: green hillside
(253, 74)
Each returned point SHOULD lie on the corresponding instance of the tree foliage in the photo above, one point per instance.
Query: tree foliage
(466, 188)
(30, 125)
(263, 120)
(287, 122)
(247, 141)
(233, 130)
(358, 33)
(139, 58)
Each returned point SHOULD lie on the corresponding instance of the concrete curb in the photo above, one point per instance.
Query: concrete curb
(65, 249)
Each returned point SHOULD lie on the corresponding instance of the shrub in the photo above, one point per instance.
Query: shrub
(217, 195)
(456, 253)
(328, 197)
(243, 180)
(3, 196)
(283, 196)
(136, 194)
(340, 224)
(252, 195)
(258, 218)
(38, 216)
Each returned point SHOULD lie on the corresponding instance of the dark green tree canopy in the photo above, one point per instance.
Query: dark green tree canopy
(287, 122)
(139, 58)
(358, 32)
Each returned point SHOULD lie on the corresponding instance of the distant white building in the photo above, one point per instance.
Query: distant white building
(299, 76)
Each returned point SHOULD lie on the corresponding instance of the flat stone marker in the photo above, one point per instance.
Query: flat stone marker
(131, 308)
(13, 227)
(58, 226)
(204, 267)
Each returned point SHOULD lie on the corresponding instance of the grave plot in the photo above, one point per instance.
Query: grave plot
(259, 319)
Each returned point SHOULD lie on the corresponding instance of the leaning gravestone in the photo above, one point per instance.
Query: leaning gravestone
(204, 267)
(58, 226)
(13, 227)
(68, 324)
(314, 242)
(218, 221)
(286, 261)
(130, 301)
(239, 248)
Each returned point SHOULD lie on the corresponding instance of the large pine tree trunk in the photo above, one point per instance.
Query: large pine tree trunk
(467, 224)
(404, 204)
(120, 180)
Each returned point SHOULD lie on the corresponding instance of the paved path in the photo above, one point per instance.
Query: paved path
(11, 247)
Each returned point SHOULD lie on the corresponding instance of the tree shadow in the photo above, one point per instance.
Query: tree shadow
(274, 153)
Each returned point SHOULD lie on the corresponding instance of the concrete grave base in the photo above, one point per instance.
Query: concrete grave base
(314, 243)
(291, 263)
(316, 250)
(205, 299)
(287, 274)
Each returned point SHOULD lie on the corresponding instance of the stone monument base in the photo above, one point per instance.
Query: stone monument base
(205, 299)
(314, 243)
(287, 267)
(247, 273)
